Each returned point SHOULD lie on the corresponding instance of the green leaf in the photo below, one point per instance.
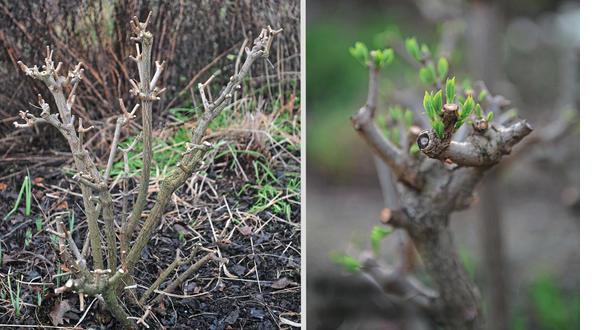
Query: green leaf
(478, 111)
(377, 235)
(427, 74)
(442, 67)
(438, 128)
(428, 105)
(467, 108)
(348, 262)
(414, 149)
(360, 52)
(490, 116)
(425, 49)
(482, 95)
(450, 90)
(437, 102)
(458, 124)
(408, 119)
(384, 57)
(412, 48)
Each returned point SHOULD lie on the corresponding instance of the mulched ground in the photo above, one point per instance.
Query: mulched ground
(259, 287)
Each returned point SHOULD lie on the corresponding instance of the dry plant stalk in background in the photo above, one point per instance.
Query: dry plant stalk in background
(123, 253)
(437, 171)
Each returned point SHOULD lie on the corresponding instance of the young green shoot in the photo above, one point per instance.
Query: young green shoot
(412, 47)
(28, 237)
(442, 68)
(380, 57)
(465, 111)
(25, 189)
(15, 296)
(482, 95)
(450, 90)
(378, 233)
(360, 52)
(39, 224)
(348, 262)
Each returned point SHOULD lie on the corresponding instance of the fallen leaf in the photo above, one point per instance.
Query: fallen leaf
(245, 230)
(281, 283)
(3, 186)
(58, 312)
(62, 206)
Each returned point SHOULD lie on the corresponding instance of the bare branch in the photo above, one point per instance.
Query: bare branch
(159, 69)
(191, 159)
(75, 77)
(484, 149)
(121, 121)
(78, 258)
(181, 278)
(260, 48)
(162, 277)
(88, 181)
(201, 86)
(394, 157)
(147, 94)
(30, 120)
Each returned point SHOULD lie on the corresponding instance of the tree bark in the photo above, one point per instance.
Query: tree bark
(459, 298)
(114, 306)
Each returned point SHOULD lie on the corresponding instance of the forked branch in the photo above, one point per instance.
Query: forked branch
(190, 160)
(397, 159)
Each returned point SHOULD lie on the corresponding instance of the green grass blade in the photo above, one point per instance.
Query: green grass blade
(18, 201)
(27, 195)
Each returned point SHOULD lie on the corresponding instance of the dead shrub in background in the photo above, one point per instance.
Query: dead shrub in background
(200, 34)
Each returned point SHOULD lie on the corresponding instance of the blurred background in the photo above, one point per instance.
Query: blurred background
(520, 241)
